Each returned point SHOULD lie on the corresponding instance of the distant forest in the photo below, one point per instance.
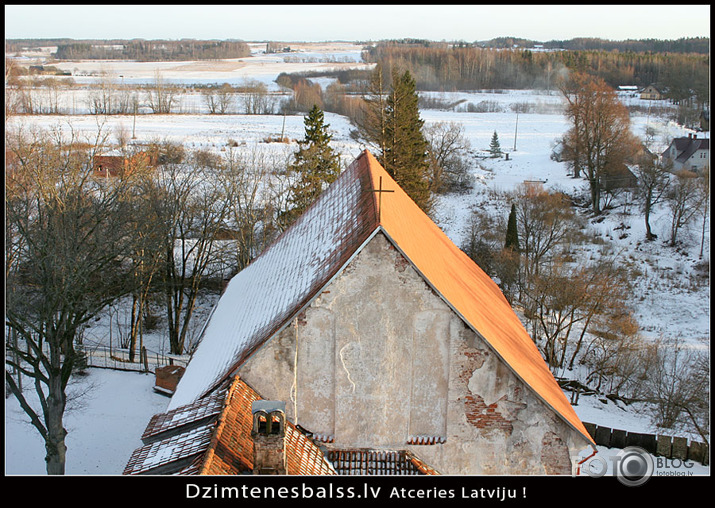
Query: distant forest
(461, 66)
(681, 67)
(137, 49)
(684, 45)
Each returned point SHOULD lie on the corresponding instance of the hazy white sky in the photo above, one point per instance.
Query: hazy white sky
(356, 22)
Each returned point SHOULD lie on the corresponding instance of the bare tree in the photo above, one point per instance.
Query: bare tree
(618, 365)
(256, 100)
(545, 220)
(599, 140)
(72, 263)
(683, 199)
(653, 178)
(565, 304)
(218, 99)
(191, 206)
(678, 386)
(447, 148)
(161, 97)
(247, 179)
(704, 198)
(146, 245)
(101, 98)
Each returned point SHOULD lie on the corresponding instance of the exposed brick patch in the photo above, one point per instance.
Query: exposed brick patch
(477, 412)
(555, 454)
(484, 416)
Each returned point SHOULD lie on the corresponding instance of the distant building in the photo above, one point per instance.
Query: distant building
(619, 177)
(653, 92)
(689, 153)
(112, 166)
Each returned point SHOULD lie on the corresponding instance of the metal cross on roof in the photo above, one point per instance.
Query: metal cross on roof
(380, 190)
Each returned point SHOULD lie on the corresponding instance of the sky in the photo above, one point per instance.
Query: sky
(352, 22)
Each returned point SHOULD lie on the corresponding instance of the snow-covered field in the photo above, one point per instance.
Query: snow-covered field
(666, 303)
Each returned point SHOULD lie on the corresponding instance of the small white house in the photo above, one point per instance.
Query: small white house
(690, 153)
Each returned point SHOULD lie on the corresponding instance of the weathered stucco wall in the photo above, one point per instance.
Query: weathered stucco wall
(381, 361)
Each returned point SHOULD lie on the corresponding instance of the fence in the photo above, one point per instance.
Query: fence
(118, 359)
(667, 446)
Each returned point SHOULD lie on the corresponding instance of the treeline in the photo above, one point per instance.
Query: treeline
(474, 68)
(17, 45)
(699, 45)
(152, 51)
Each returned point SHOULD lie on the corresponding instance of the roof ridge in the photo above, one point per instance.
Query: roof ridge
(366, 160)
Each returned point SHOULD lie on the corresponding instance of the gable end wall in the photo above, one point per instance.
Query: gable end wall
(383, 361)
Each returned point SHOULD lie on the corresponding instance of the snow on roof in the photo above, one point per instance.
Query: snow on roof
(181, 447)
(268, 293)
(260, 299)
(171, 420)
(213, 436)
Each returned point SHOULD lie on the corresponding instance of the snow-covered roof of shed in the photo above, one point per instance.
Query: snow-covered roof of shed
(264, 296)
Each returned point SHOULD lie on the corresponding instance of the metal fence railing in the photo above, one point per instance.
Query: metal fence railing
(119, 359)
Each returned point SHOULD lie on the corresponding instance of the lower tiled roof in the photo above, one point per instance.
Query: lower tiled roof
(378, 462)
(212, 436)
(171, 454)
(190, 414)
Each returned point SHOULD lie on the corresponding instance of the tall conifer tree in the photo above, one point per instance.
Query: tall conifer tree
(315, 165)
(405, 149)
(512, 234)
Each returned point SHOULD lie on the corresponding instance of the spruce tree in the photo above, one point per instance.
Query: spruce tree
(405, 155)
(494, 146)
(314, 167)
(512, 235)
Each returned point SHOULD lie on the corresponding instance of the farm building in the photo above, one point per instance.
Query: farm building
(105, 166)
(654, 92)
(363, 341)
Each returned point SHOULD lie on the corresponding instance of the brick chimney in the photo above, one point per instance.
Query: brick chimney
(268, 433)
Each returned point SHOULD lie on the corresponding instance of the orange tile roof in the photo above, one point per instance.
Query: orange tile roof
(231, 449)
(467, 289)
(258, 302)
(212, 436)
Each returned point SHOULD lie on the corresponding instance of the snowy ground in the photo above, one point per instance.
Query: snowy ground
(667, 303)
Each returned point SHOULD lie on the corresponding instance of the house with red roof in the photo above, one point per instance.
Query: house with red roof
(363, 341)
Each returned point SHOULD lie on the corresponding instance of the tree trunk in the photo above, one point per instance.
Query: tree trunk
(646, 213)
(596, 196)
(55, 443)
(134, 326)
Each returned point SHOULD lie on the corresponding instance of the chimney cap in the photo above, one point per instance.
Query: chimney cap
(268, 406)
